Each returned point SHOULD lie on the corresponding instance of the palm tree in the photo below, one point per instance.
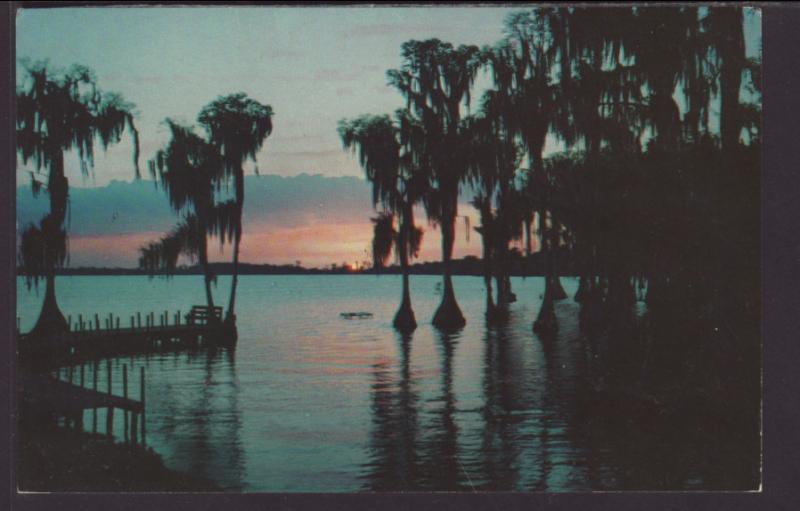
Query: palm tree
(397, 186)
(189, 169)
(237, 125)
(59, 112)
(436, 79)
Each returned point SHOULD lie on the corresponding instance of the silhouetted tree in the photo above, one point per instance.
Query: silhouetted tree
(189, 169)
(397, 186)
(436, 79)
(59, 112)
(237, 125)
(493, 161)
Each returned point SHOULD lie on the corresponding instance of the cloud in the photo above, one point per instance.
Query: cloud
(316, 219)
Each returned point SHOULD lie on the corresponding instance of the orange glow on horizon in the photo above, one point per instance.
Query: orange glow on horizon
(314, 244)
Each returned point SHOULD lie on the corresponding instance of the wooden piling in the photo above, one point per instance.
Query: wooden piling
(141, 398)
(97, 321)
(69, 322)
(138, 320)
(110, 413)
(125, 395)
(117, 322)
(94, 388)
(80, 321)
(81, 374)
(69, 373)
(134, 428)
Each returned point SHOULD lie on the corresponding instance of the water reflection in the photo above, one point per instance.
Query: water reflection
(441, 466)
(199, 420)
(393, 442)
(327, 404)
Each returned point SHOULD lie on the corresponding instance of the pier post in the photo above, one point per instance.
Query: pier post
(134, 427)
(80, 321)
(82, 375)
(94, 388)
(117, 322)
(141, 398)
(138, 320)
(110, 413)
(69, 322)
(69, 373)
(97, 322)
(125, 395)
(132, 323)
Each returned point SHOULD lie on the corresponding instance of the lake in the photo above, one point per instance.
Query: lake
(312, 402)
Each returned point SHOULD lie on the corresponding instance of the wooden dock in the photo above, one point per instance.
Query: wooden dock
(44, 399)
(87, 341)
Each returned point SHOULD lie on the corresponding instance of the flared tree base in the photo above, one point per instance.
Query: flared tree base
(583, 290)
(404, 320)
(591, 318)
(448, 316)
(546, 324)
(558, 290)
(496, 314)
(51, 320)
(507, 297)
(50, 323)
(227, 334)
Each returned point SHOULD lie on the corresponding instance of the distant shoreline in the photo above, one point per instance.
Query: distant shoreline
(467, 266)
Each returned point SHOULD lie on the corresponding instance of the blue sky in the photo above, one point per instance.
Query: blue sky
(314, 66)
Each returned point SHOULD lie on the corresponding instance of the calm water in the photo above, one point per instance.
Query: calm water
(309, 401)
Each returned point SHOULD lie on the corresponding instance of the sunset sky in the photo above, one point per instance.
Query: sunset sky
(314, 66)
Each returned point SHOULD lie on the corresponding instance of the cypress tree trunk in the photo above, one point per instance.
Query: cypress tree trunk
(546, 324)
(51, 319)
(448, 316)
(558, 289)
(404, 320)
(488, 241)
(206, 269)
(731, 47)
(231, 315)
(580, 294)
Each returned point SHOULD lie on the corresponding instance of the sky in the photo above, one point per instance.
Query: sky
(313, 65)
